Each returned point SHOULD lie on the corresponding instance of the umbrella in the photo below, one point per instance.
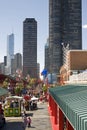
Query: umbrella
(14, 97)
(34, 98)
(18, 97)
(27, 97)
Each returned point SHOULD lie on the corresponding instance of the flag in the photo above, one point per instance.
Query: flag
(44, 72)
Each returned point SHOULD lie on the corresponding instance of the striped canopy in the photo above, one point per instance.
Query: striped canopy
(72, 99)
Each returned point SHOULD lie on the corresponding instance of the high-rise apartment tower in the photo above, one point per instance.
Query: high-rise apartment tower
(65, 26)
(30, 47)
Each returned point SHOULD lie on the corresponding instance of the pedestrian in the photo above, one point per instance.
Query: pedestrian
(23, 114)
(28, 121)
(25, 121)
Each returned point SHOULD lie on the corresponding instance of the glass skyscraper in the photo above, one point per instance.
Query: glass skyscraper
(65, 26)
(10, 52)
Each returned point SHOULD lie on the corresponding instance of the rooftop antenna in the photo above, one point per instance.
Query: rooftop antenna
(12, 30)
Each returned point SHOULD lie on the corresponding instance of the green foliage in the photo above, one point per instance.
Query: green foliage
(44, 88)
(32, 81)
(5, 83)
(18, 88)
(28, 86)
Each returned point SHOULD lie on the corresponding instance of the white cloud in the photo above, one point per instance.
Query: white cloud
(85, 26)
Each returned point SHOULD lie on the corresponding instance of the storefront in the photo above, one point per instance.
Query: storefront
(68, 107)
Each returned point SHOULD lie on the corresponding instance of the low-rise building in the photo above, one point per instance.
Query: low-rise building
(75, 64)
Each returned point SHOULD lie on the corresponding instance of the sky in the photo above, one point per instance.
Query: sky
(14, 12)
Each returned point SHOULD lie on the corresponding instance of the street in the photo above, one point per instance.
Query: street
(40, 120)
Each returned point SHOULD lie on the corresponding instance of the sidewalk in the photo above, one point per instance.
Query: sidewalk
(40, 119)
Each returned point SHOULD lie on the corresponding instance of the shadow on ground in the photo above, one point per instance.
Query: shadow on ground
(40, 108)
(13, 126)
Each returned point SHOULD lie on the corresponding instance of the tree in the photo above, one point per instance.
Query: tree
(6, 83)
(44, 88)
(18, 88)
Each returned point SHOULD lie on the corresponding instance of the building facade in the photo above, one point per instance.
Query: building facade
(18, 61)
(5, 60)
(38, 70)
(30, 47)
(75, 67)
(2, 68)
(65, 26)
(47, 55)
(10, 52)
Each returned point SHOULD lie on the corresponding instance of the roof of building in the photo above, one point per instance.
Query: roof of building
(3, 91)
(77, 50)
(3, 77)
(72, 99)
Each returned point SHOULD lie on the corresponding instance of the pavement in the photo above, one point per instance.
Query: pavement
(40, 120)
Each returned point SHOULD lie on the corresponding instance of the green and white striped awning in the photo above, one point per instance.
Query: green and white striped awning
(3, 91)
(72, 99)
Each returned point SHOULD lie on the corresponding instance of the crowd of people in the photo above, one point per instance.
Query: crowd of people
(27, 105)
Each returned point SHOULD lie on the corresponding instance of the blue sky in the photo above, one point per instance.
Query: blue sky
(14, 12)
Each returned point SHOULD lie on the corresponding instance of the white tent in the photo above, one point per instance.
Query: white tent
(14, 97)
(34, 98)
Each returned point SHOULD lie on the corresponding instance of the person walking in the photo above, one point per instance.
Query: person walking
(25, 120)
(28, 121)
(23, 114)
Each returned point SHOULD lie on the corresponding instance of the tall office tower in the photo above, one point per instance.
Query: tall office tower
(18, 61)
(10, 52)
(38, 70)
(65, 26)
(5, 60)
(5, 64)
(47, 55)
(30, 47)
(2, 68)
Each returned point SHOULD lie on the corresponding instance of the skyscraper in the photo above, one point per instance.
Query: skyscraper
(5, 60)
(47, 55)
(65, 26)
(10, 52)
(38, 70)
(30, 47)
(18, 61)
